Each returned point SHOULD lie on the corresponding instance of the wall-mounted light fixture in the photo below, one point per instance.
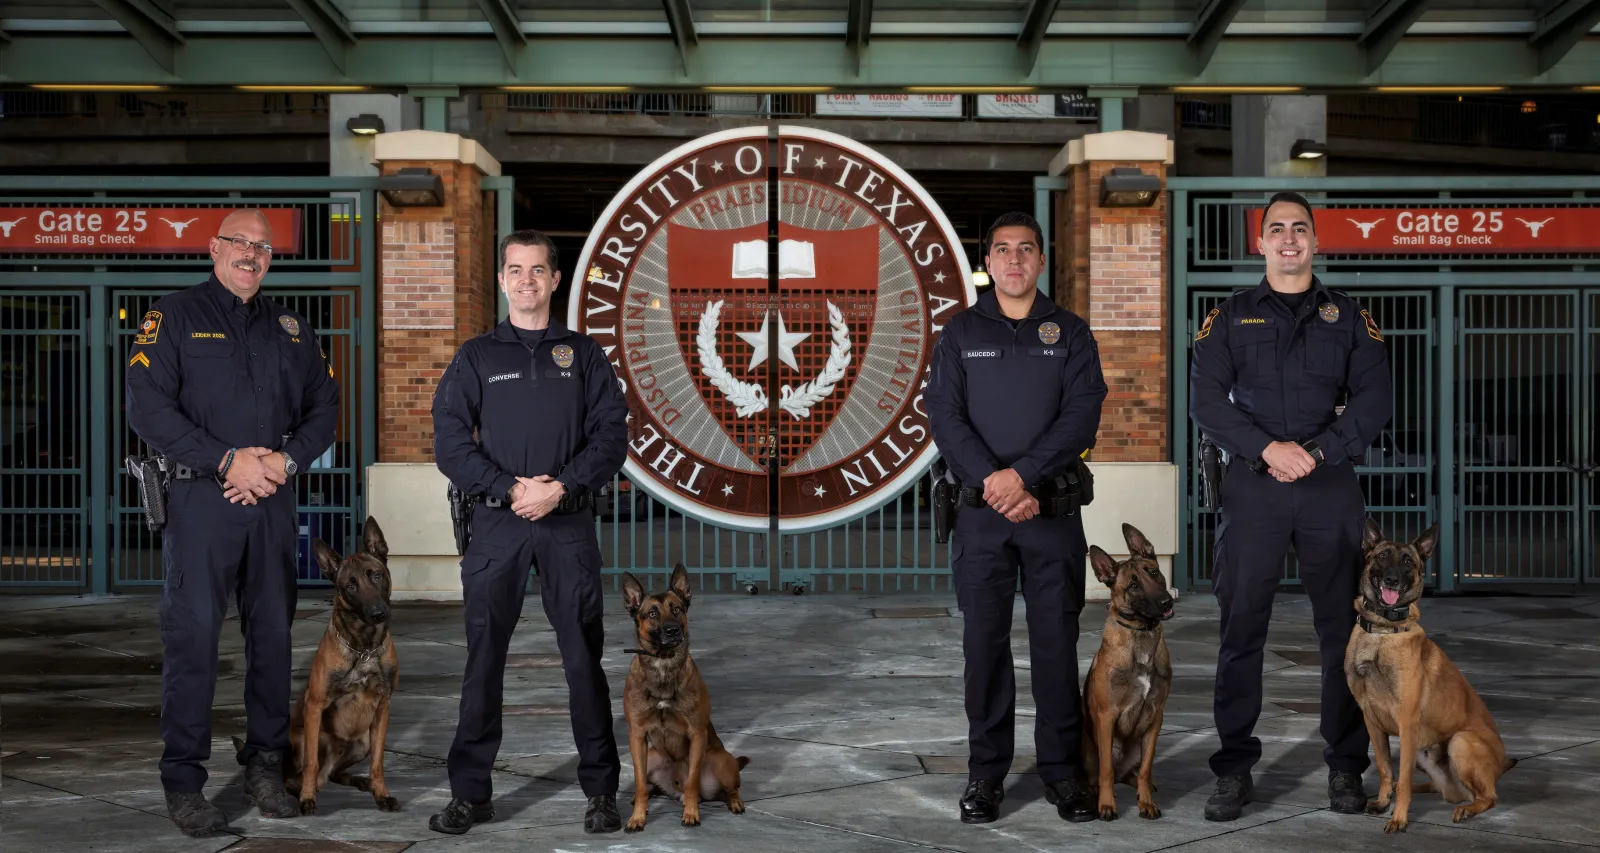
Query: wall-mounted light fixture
(413, 187)
(980, 278)
(1307, 149)
(365, 124)
(1127, 186)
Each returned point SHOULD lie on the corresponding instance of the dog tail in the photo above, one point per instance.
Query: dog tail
(743, 760)
(1510, 763)
(238, 744)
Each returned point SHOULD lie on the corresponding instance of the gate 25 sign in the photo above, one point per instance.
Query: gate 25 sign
(1452, 230)
(130, 230)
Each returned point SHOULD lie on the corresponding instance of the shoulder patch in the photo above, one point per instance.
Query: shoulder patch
(149, 328)
(1205, 328)
(1372, 326)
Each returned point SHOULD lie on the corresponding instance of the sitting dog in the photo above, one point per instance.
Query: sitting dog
(1406, 686)
(345, 707)
(1125, 691)
(669, 710)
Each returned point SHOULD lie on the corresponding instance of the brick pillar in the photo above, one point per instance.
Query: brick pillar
(1114, 274)
(437, 286)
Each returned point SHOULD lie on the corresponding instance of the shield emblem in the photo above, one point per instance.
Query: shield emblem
(1329, 312)
(289, 324)
(562, 355)
(735, 338)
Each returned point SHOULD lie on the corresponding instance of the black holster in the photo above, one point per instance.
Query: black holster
(154, 476)
(945, 490)
(461, 517)
(1210, 474)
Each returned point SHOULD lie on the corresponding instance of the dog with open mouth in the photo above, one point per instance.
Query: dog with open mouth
(1407, 686)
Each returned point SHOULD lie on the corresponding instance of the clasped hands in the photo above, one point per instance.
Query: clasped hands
(533, 498)
(1287, 461)
(1003, 490)
(256, 472)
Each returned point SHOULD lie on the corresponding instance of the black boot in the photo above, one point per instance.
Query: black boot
(263, 786)
(981, 801)
(1072, 800)
(459, 816)
(601, 815)
(1233, 793)
(196, 817)
(1345, 794)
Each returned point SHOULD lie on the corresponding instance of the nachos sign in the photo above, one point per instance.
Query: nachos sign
(749, 352)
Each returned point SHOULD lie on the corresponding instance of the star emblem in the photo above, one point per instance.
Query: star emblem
(939, 277)
(821, 491)
(822, 162)
(727, 490)
(786, 343)
(716, 165)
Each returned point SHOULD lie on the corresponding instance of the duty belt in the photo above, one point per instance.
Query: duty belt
(567, 506)
(1053, 502)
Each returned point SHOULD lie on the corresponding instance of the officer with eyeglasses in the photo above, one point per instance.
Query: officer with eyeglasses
(234, 391)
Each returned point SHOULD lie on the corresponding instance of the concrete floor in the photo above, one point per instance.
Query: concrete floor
(848, 706)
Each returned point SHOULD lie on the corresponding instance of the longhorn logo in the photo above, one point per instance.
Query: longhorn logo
(5, 227)
(1534, 227)
(177, 227)
(1366, 227)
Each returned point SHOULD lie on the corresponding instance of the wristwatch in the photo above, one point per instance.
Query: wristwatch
(288, 464)
(1315, 451)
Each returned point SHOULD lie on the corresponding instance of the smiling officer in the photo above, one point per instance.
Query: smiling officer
(551, 428)
(1269, 368)
(1014, 400)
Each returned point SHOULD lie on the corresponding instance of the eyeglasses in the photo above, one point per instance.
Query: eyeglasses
(242, 244)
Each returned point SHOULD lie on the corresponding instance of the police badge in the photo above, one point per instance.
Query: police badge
(563, 355)
(1049, 332)
(1329, 312)
(289, 324)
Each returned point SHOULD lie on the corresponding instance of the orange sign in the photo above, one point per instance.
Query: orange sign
(1453, 230)
(130, 230)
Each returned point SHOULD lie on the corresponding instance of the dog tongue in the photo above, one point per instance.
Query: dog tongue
(1390, 596)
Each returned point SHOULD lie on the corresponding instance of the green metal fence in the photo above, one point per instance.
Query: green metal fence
(1494, 361)
(68, 515)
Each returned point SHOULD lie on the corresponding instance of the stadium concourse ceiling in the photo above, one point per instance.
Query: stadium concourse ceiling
(1117, 46)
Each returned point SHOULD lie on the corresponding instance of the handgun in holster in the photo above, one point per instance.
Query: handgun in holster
(461, 517)
(1077, 484)
(1210, 473)
(154, 475)
(945, 488)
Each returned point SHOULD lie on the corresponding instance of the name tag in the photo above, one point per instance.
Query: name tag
(550, 373)
(982, 353)
(1051, 352)
(501, 377)
(1252, 321)
(216, 336)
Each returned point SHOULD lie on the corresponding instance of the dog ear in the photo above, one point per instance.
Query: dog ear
(1105, 568)
(632, 593)
(372, 540)
(1138, 545)
(1371, 534)
(327, 558)
(1427, 541)
(680, 583)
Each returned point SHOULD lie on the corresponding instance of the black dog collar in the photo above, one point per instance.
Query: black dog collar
(1392, 616)
(1140, 623)
(646, 652)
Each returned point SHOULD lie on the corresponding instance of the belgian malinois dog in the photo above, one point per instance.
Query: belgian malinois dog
(345, 707)
(1406, 686)
(1125, 691)
(669, 710)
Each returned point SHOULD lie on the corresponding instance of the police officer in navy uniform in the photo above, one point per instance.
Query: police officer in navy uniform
(550, 421)
(1269, 368)
(235, 391)
(1014, 398)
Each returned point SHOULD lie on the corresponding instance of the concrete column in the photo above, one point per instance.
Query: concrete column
(1153, 114)
(1265, 128)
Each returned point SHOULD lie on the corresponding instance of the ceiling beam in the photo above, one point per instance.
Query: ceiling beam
(680, 18)
(330, 27)
(1386, 25)
(858, 29)
(1034, 22)
(507, 29)
(1210, 22)
(150, 26)
(1559, 27)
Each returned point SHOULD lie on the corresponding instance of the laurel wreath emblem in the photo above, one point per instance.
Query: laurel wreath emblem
(749, 398)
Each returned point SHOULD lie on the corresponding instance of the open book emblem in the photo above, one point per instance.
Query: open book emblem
(796, 259)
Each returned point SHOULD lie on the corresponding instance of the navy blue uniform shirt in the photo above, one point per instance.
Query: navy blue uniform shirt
(209, 372)
(1026, 398)
(1286, 373)
(553, 408)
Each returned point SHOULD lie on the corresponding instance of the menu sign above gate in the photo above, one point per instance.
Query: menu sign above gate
(1450, 230)
(130, 230)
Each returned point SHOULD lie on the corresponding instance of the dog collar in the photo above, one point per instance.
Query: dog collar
(361, 654)
(645, 652)
(1392, 618)
(1142, 624)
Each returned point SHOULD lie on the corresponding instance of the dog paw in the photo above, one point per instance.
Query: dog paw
(1377, 807)
(691, 818)
(387, 804)
(308, 805)
(635, 824)
(1462, 813)
(1149, 811)
(1395, 824)
(736, 806)
(1108, 812)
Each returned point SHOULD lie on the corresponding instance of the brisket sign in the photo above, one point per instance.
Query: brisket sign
(742, 348)
(130, 230)
(1451, 230)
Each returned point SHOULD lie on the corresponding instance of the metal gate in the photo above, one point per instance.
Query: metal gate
(1493, 355)
(67, 513)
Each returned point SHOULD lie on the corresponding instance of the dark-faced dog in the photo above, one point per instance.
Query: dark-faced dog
(669, 710)
(1406, 686)
(1125, 691)
(345, 707)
